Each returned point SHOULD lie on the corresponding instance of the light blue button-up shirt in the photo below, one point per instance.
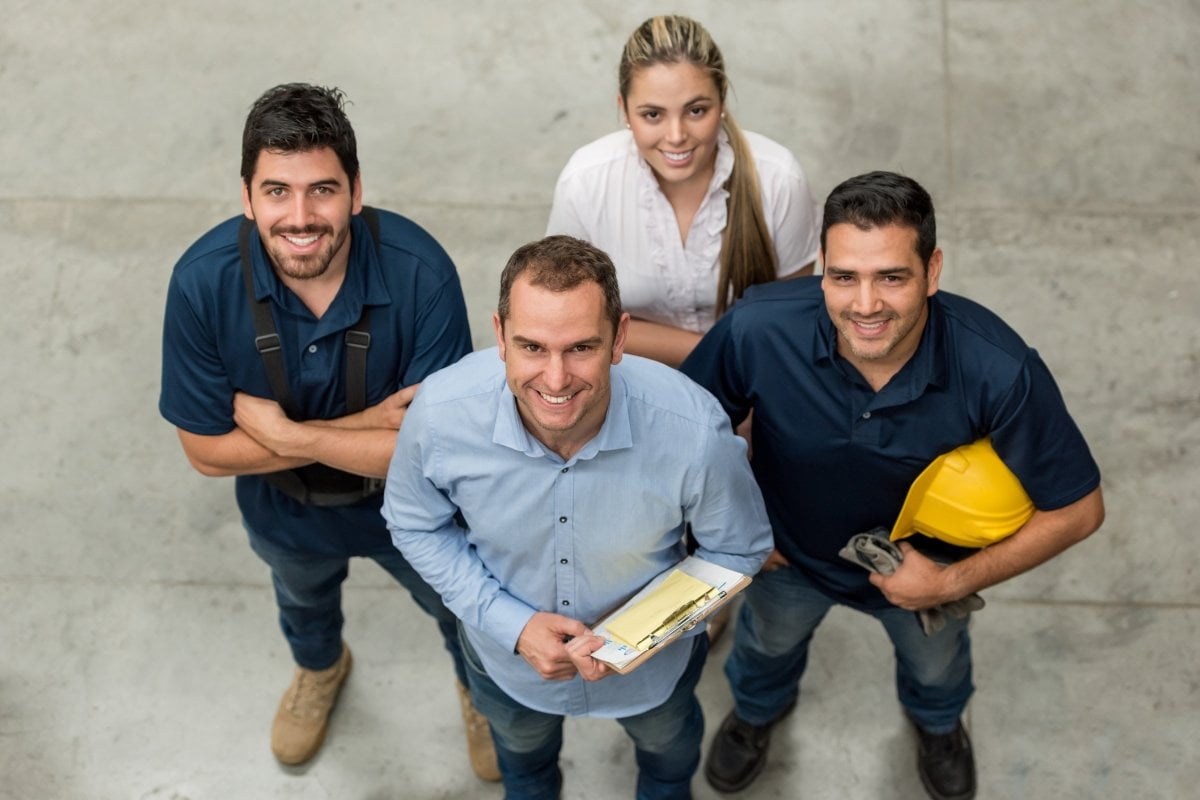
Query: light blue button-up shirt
(575, 537)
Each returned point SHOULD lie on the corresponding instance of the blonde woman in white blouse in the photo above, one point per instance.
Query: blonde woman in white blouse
(691, 209)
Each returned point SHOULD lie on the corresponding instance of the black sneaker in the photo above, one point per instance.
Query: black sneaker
(946, 764)
(737, 754)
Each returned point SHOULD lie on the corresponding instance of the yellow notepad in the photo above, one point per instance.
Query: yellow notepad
(661, 610)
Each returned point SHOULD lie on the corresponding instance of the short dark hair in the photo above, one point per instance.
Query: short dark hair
(296, 117)
(560, 263)
(877, 199)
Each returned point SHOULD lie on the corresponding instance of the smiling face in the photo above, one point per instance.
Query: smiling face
(301, 202)
(876, 292)
(674, 111)
(558, 349)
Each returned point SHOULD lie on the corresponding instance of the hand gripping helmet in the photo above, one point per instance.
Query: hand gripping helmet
(967, 497)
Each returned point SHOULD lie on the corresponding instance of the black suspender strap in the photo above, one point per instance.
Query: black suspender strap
(266, 338)
(371, 217)
(358, 338)
(316, 484)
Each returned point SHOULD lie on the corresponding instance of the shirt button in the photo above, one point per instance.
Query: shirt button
(866, 415)
(312, 348)
(564, 469)
(566, 602)
(562, 519)
(562, 561)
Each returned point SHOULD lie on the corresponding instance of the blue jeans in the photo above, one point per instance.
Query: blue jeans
(770, 650)
(308, 591)
(666, 738)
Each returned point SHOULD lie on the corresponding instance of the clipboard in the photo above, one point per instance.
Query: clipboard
(726, 583)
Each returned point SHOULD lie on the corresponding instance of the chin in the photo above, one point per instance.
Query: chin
(872, 354)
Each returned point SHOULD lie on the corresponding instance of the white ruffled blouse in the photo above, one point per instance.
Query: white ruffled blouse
(608, 195)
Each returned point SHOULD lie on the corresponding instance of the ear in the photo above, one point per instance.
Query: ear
(498, 326)
(247, 209)
(934, 272)
(356, 195)
(621, 113)
(619, 341)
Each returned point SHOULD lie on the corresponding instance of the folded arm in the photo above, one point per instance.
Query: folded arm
(265, 440)
(233, 453)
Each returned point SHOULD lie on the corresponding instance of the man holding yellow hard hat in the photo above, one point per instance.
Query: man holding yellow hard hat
(967, 498)
(865, 385)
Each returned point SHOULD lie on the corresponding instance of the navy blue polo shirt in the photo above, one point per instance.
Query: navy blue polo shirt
(834, 457)
(418, 325)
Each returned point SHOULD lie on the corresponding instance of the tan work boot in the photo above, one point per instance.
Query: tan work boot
(479, 738)
(303, 715)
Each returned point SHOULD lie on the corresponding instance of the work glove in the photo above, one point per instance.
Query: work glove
(876, 552)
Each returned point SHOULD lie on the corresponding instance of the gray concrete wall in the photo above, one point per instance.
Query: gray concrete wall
(140, 659)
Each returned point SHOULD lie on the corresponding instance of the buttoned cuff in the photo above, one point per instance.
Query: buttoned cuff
(505, 619)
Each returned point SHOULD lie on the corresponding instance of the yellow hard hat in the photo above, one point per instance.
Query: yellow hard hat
(967, 497)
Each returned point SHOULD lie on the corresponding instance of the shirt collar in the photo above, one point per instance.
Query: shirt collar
(614, 434)
(363, 286)
(927, 367)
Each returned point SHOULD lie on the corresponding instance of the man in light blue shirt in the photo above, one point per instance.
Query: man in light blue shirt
(538, 490)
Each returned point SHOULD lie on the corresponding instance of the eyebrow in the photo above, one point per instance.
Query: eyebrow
(593, 341)
(270, 182)
(885, 271)
(700, 98)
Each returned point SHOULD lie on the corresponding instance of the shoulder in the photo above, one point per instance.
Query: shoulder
(770, 157)
(612, 149)
(804, 290)
(665, 393)
(768, 150)
(977, 333)
(766, 302)
(769, 316)
(217, 247)
(400, 237)
(476, 374)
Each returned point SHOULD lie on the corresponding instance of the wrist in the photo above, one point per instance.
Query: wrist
(294, 439)
(953, 583)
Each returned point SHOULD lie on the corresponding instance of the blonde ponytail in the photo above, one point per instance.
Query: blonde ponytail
(747, 252)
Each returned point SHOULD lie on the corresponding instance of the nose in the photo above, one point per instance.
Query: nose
(867, 299)
(676, 131)
(300, 211)
(555, 375)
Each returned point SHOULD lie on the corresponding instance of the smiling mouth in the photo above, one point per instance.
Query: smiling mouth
(677, 158)
(556, 399)
(869, 328)
(302, 241)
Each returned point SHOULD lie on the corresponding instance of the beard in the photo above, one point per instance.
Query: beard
(311, 265)
(878, 349)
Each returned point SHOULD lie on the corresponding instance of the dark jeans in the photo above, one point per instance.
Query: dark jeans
(666, 738)
(308, 591)
(770, 650)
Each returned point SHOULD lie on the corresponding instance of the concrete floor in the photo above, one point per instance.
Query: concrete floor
(140, 656)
